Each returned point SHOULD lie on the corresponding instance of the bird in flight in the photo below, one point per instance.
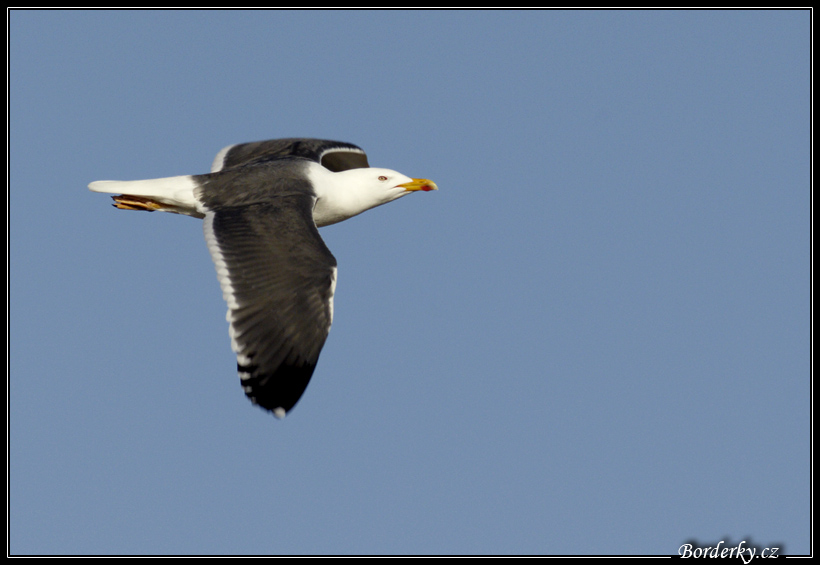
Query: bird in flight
(261, 205)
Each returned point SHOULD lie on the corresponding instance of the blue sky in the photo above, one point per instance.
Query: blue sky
(593, 339)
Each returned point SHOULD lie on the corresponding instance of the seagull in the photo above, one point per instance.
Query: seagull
(261, 205)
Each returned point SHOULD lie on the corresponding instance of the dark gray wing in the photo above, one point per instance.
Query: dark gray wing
(278, 278)
(334, 155)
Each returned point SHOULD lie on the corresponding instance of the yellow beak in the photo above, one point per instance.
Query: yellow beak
(419, 184)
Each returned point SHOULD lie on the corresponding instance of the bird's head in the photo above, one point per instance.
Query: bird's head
(347, 193)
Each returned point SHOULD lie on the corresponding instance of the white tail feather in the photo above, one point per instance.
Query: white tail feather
(174, 194)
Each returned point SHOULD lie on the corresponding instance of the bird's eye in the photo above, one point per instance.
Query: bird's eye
(382, 177)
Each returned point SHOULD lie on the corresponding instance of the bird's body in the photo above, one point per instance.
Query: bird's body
(260, 206)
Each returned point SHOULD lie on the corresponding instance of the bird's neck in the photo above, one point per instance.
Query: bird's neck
(336, 198)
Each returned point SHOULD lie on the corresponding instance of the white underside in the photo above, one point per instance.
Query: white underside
(176, 192)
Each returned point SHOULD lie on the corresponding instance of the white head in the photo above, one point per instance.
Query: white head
(345, 194)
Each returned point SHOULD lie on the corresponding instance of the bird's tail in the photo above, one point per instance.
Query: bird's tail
(169, 194)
